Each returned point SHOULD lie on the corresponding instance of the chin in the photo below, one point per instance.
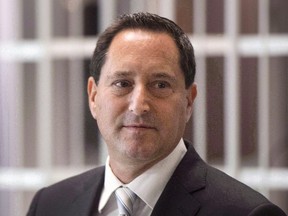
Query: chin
(142, 153)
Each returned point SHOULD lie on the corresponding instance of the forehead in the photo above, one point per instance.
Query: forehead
(144, 42)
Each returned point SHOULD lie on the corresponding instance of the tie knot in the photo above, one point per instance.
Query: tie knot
(125, 198)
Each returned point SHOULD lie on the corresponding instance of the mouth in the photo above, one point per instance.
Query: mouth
(139, 127)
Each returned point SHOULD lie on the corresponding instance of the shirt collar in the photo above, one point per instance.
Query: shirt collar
(148, 186)
(111, 183)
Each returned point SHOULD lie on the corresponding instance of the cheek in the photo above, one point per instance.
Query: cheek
(178, 115)
(109, 109)
(101, 111)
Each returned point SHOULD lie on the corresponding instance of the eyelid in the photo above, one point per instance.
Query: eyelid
(166, 83)
(122, 81)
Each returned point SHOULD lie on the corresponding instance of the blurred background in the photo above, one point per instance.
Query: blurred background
(240, 118)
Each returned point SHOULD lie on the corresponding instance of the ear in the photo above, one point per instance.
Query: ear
(92, 92)
(191, 96)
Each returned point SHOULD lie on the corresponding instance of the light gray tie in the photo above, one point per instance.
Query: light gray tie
(125, 198)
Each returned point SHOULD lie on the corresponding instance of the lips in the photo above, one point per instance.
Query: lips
(138, 123)
(139, 126)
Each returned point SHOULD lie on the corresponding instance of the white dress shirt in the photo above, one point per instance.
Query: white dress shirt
(148, 186)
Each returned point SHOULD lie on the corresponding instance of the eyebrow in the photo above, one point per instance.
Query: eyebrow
(120, 74)
(164, 75)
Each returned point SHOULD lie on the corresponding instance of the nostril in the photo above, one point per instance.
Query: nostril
(139, 107)
(139, 110)
(139, 102)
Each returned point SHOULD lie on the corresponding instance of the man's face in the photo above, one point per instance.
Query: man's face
(140, 103)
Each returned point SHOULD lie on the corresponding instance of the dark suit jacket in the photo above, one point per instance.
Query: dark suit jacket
(195, 189)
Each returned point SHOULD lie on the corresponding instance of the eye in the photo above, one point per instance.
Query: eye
(161, 85)
(121, 87)
(161, 89)
(122, 83)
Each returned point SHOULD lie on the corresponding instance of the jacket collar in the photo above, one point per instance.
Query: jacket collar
(177, 197)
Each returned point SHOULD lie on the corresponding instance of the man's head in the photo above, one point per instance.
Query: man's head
(140, 95)
(149, 22)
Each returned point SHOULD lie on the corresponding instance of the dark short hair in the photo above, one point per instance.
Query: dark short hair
(149, 22)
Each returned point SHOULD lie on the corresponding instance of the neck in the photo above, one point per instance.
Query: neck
(127, 172)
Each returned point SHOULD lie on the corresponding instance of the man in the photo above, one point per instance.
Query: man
(141, 94)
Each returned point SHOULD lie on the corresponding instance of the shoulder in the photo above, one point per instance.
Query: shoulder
(219, 193)
(62, 194)
(231, 195)
(80, 180)
(217, 186)
(77, 183)
(230, 190)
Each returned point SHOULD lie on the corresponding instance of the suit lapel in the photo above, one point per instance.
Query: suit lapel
(89, 195)
(177, 198)
(176, 201)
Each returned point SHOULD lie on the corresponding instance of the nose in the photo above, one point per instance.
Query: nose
(139, 101)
